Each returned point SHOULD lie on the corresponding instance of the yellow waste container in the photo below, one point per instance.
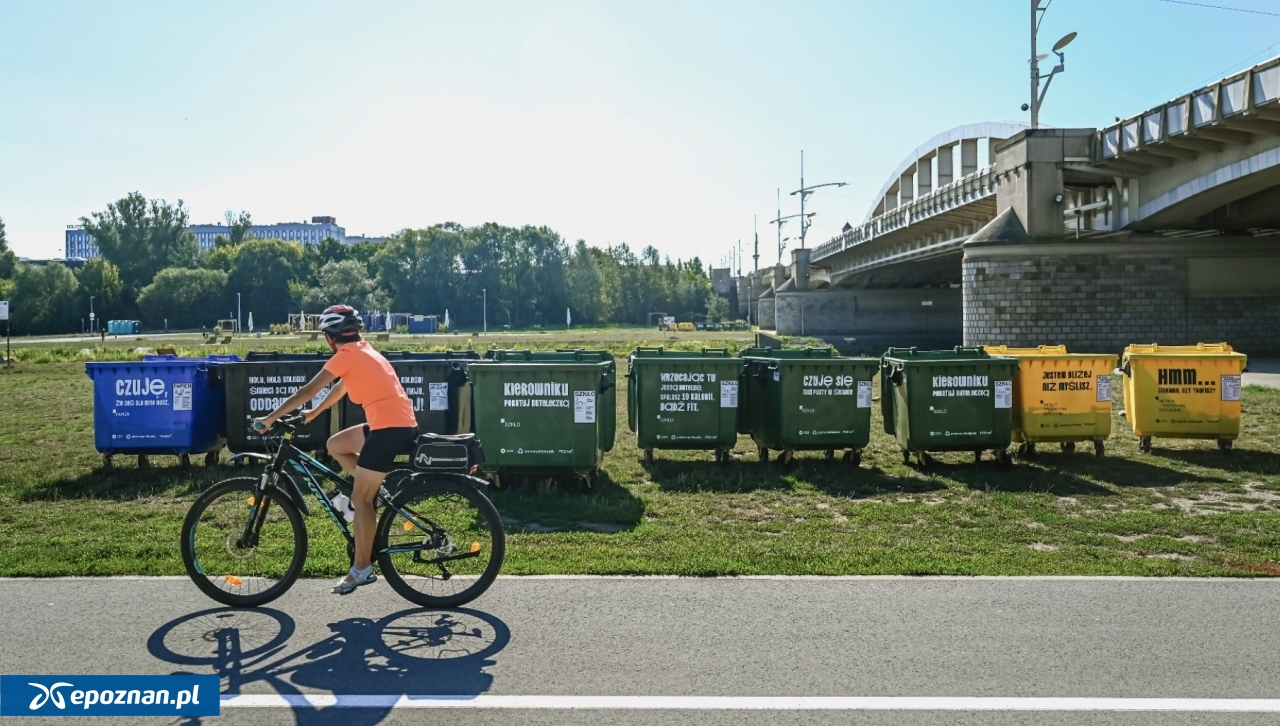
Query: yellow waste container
(1183, 392)
(1060, 397)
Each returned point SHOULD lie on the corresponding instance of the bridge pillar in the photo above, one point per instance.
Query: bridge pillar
(800, 269)
(946, 164)
(968, 156)
(906, 188)
(924, 175)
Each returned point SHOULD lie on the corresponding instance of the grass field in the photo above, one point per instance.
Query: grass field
(1185, 509)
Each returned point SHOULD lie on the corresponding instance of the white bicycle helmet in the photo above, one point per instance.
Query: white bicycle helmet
(337, 320)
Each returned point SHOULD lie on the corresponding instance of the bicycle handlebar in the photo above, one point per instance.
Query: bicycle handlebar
(289, 422)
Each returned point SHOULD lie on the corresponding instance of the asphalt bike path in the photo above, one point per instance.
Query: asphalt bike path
(682, 651)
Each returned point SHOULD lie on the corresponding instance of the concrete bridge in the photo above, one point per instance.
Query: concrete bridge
(1163, 226)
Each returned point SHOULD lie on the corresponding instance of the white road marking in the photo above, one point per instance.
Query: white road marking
(780, 703)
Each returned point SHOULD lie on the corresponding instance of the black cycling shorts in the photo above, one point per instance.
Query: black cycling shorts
(381, 447)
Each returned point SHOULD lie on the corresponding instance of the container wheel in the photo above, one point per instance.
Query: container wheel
(107, 462)
(830, 454)
(1099, 449)
(977, 456)
(1004, 460)
(184, 460)
(926, 461)
(906, 457)
(589, 479)
(648, 456)
(722, 456)
(787, 458)
(144, 462)
(1224, 445)
(212, 458)
(496, 479)
(763, 455)
(853, 457)
(1068, 447)
(1144, 444)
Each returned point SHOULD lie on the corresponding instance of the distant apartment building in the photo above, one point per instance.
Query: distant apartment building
(80, 243)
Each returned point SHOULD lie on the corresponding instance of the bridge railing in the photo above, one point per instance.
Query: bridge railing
(966, 190)
(1238, 94)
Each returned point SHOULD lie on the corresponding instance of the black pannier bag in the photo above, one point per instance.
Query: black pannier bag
(439, 452)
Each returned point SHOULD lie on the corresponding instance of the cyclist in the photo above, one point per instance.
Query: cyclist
(368, 451)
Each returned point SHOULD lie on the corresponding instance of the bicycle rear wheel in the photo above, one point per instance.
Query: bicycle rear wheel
(445, 541)
(227, 567)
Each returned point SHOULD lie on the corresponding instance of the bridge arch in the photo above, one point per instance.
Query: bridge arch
(915, 176)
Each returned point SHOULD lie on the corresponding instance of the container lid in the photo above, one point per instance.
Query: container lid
(959, 354)
(1038, 350)
(561, 355)
(275, 355)
(1199, 349)
(822, 352)
(171, 358)
(664, 353)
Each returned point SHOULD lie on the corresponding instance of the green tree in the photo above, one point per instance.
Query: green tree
(342, 282)
(238, 226)
(186, 298)
(45, 300)
(141, 237)
(100, 280)
(8, 261)
(422, 272)
(261, 273)
(717, 308)
(221, 257)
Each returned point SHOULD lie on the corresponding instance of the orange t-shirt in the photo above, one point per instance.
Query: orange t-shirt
(372, 383)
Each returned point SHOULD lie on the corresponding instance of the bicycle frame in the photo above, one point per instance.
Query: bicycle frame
(303, 464)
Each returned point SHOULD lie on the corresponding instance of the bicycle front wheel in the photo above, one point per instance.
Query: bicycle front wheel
(440, 543)
(243, 549)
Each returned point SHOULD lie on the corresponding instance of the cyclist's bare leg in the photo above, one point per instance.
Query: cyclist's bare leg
(345, 447)
(366, 488)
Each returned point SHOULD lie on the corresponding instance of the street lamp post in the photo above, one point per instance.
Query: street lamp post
(804, 193)
(485, 293)
(1037, 94)
(91, 315)
(237, 312)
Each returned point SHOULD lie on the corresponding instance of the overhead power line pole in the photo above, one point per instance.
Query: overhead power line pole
(755, 258)
(781, 220)
(804, 193)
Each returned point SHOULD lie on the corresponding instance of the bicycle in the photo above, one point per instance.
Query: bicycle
(244, 540)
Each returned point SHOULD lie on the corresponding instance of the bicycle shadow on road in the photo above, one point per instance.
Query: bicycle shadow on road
(413, 652)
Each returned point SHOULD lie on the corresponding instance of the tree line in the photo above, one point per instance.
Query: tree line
(151, 268)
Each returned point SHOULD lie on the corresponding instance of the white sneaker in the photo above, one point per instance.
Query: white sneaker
(358, 578)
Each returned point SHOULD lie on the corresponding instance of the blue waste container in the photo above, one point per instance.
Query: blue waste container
(163, 405)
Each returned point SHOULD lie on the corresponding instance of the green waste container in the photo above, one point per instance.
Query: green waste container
(806, 399)
(684, 400)
(437, 385)
(948, 400)
(541, 417)
(258, 385)
(608, 398)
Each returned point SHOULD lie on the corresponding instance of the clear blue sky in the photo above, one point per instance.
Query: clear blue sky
(663, 123)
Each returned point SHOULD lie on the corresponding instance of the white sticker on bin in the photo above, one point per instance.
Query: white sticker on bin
(1004, 394)
(728, 394)
(439, 394)
(864, 394)
(182, 397)
(1104, 388)
(584, 407)
(1231, 388)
